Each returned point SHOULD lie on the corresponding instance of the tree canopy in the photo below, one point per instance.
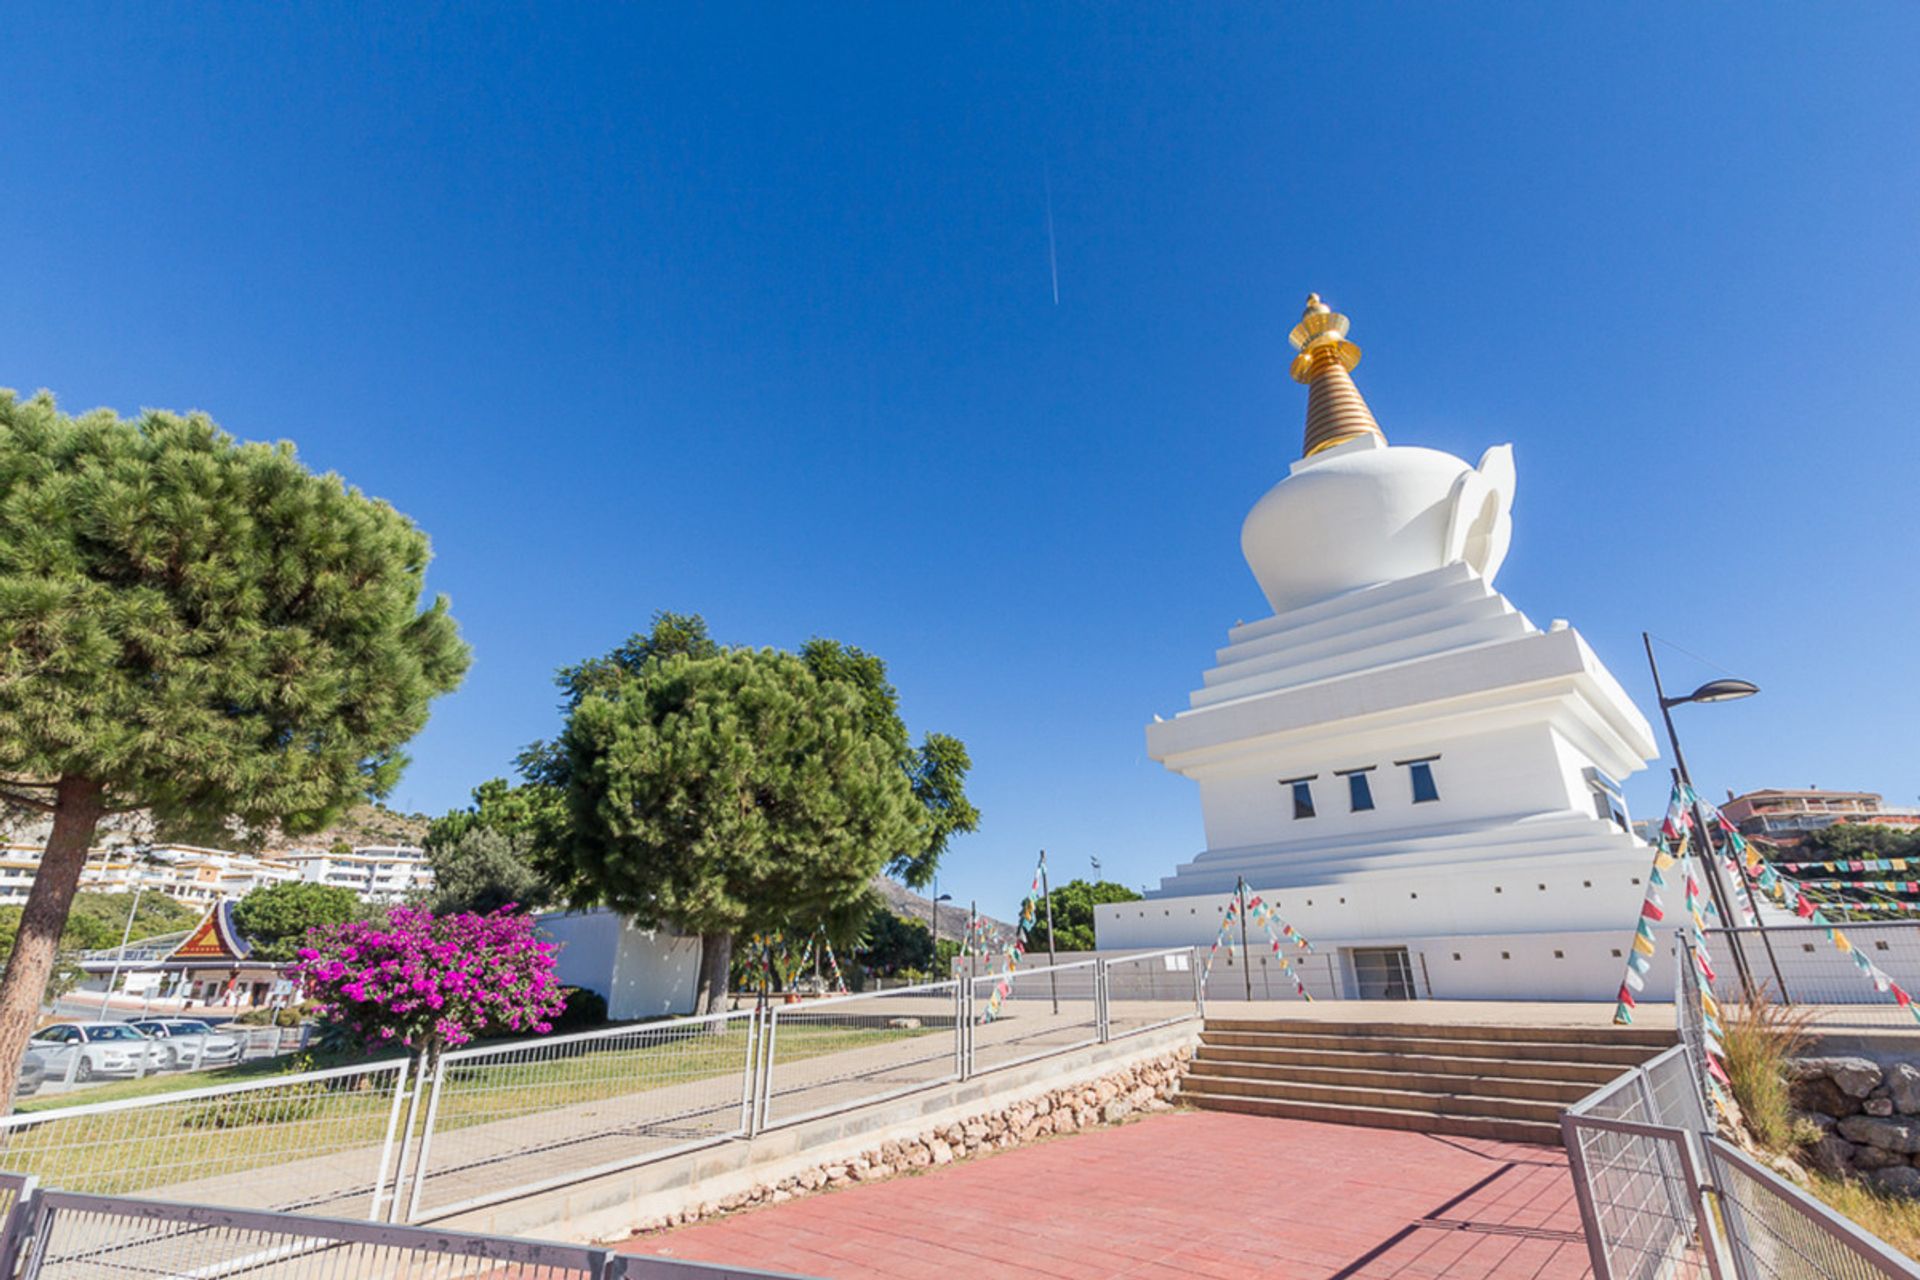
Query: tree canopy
(275, 917)
(1073, 904)
(894, 943)
(724, 790)
(481, 871)
(1858, 840)
(195, 627)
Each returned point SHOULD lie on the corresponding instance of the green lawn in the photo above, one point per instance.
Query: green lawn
(166, 1143)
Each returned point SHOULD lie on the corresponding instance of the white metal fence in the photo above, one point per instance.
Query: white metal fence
(394, 1141)
(507, 1120)
(1154, 989)
(321, 1141)
(1798, 964)
(1662, 1196)
(1033, 1013)
(824, 1056)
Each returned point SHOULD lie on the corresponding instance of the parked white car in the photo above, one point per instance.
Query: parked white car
(84, 1050)
(193, 1043)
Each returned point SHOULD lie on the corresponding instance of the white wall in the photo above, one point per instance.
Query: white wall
(643, 973)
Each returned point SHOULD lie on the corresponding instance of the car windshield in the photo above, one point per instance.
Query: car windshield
(118, 1031)
(188, 1027)
(151, 1028)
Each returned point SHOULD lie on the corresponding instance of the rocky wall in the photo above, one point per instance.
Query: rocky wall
(1868, 1115)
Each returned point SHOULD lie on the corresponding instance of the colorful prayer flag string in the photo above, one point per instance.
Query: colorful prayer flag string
(1029, 915)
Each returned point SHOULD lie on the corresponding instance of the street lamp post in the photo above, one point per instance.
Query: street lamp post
(1725, 690)
(938, 898)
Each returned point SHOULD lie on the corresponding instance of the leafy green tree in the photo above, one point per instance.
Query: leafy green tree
(1073, 904)
(1858, 841)
(726, 790)
(481, 871)
(195, 627)
(894, 943)
(524, 814)
(275, 917)
(937, 768)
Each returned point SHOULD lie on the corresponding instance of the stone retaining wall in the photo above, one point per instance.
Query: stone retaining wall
(1141, 1087)
(1868, 1114)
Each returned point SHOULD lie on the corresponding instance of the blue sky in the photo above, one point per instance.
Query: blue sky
(747, 312)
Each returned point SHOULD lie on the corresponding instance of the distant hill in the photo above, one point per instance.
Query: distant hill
(904, 902)
(363, 824)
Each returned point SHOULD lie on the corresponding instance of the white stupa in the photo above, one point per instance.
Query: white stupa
(1418, 776)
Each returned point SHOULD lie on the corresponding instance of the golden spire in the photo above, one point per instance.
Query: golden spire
(1336, 412)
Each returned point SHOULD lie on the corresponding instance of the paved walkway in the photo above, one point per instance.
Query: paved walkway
(1184, 1194)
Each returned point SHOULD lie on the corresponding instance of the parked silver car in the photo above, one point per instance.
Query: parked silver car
(193, 1043)
(83, 1050)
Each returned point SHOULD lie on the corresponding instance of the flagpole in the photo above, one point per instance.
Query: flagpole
(1246, 959)
(1053, 975)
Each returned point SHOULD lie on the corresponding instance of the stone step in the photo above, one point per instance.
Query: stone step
(1650, 1037)
(1613, 1054)
(1387, 1098)
(1587, 1075)
(1418, 1121)
(1555, 1093)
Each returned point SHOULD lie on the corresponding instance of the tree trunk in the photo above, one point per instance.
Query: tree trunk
(716, 961)
(78, 806)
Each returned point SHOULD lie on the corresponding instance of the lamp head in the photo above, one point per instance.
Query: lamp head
(1722, 691)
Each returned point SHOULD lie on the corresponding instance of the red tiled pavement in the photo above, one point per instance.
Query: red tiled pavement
(1186, 1194)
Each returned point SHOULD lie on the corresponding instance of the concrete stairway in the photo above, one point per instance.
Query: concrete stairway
(1503, 1082)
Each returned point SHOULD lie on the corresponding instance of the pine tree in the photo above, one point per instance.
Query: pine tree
(195, 627)
(727, 790)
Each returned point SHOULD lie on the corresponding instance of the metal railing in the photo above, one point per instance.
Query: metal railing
(414, 1141)
(508, 1120)
(16, 1192)
(1150, 990)
(1781, 1233)
(75, 1236)
(1256, 973)
(832, 1055)
(1661, 1196)
(1632, 1148)
(1812, 971)
(319, 1140)
(1033, 1013)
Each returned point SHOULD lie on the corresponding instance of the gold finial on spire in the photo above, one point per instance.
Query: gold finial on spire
(1336, 412)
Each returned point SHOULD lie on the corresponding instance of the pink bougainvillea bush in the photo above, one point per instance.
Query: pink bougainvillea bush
(432, 982)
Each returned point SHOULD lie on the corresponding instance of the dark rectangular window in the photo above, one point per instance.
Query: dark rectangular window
(1421, 771)
(1359, 792)
(1302, 789)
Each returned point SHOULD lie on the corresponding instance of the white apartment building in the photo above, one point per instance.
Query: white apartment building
(378, 873)
(381, 873)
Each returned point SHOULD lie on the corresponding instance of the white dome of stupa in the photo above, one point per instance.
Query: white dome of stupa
(1355, 511)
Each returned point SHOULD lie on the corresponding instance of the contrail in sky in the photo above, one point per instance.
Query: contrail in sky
(1053, 260)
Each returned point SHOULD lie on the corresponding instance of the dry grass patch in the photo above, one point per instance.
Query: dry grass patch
(1895, 1219)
